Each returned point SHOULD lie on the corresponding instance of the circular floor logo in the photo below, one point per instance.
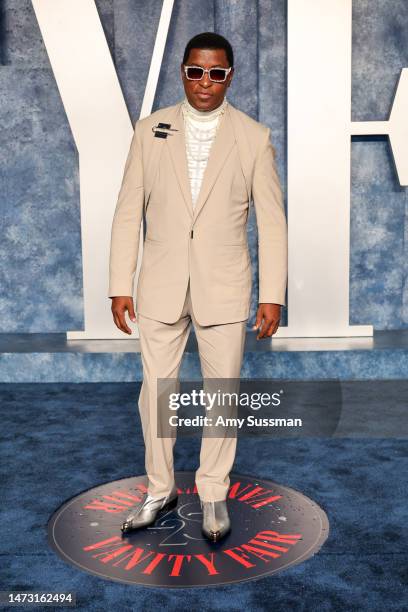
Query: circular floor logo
(272, 528)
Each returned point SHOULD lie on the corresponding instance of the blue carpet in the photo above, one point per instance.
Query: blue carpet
(61, 439)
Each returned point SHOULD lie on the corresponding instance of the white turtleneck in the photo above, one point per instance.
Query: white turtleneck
(200, 128)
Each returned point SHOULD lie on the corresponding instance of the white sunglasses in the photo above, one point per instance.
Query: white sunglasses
(196, 73)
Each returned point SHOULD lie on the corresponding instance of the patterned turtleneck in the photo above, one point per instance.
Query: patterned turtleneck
(200, 129)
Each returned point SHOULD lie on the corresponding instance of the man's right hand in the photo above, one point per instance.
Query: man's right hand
(120, 305)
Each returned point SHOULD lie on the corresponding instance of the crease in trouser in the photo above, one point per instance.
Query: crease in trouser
(162, 347)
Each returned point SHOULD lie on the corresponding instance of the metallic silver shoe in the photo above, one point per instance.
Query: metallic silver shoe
(216, 522)
(148, 510)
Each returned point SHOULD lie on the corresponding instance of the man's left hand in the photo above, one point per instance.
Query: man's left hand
(269, 316)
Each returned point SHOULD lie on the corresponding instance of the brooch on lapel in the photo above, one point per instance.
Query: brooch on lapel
(165, 126)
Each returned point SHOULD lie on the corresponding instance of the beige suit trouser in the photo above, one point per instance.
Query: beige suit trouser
(221, 350)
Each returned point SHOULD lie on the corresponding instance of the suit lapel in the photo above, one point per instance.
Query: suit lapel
(176, 144)
(220, 149)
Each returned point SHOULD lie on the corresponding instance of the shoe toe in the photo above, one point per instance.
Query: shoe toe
(215, 535)
(126, 526)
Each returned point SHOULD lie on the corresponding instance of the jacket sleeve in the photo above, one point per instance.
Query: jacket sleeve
(272, 226)
(124, 244)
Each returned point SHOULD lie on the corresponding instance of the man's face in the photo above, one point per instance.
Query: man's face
(205, 94)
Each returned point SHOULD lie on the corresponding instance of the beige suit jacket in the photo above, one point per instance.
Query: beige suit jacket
(208, 245)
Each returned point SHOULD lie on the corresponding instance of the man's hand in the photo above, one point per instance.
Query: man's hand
(269, 316)
(120, 305)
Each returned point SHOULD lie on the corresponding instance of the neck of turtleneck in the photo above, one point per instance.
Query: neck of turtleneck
(204, 115)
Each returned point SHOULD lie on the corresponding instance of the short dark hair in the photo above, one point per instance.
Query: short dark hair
(209, 40)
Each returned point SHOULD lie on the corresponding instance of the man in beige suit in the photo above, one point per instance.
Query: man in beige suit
(196, 268)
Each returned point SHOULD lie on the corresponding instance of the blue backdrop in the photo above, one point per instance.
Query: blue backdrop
(40, 250)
